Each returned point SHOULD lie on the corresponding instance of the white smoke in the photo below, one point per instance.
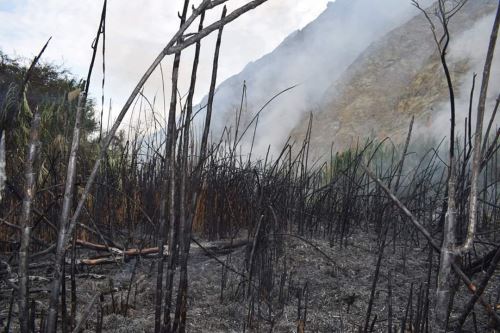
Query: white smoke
(313, 58)
(471, 47)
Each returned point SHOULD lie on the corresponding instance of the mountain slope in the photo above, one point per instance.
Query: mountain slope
(397, 77)
(313, 58)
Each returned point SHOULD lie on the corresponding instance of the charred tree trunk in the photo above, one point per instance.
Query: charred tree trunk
(478, 153)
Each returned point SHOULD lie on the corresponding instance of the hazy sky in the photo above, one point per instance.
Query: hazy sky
(136, 31)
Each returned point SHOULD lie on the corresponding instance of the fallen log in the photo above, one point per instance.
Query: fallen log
(117, 251)
(216, 247)
(95, 262)
(114, 254)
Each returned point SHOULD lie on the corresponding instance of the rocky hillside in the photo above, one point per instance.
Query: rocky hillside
(363, 68)
(396, 77)
(312, 58)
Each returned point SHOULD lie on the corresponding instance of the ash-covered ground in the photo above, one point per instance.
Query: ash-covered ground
(332, 284)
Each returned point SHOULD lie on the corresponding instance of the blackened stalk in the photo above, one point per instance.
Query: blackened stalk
(490, 124)
(64, 218)
(389, 303)
(213, 83)
(375, 279)
(26, 216)
(173, 224)
(403, 156)
(185, 216)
